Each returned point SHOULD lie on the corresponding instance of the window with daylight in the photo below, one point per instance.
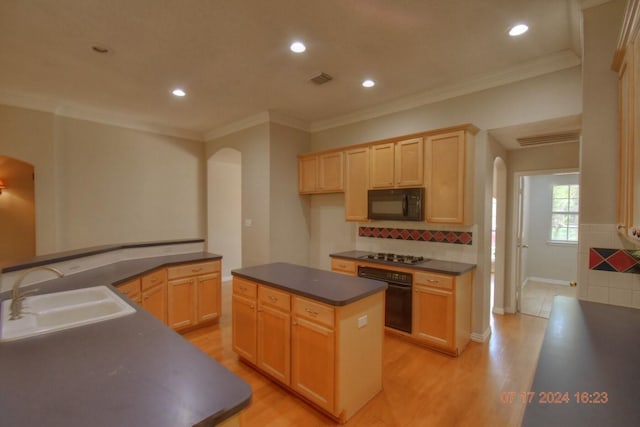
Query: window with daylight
(564, 213)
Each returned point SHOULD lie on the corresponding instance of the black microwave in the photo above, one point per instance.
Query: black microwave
(397, 204)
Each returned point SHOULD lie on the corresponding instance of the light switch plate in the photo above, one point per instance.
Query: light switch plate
(362, 321)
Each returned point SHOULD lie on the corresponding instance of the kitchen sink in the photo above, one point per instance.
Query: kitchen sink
(46, 313)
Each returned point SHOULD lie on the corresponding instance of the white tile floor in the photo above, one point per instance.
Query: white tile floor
(537, 297)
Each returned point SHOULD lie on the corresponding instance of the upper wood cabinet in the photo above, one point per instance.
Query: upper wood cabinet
(449, 178)
(397, 164)
(356, 183)
(627, 64)
(320, 173)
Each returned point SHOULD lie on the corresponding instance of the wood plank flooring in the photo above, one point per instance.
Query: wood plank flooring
(420, 387)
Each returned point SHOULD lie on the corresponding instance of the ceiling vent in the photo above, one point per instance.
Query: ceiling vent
(321, 78)
(554, 138)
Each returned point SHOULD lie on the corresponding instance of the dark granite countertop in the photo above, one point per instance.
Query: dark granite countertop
(588, 348)
(321, 285)
(433, 265)
(13, 265)
(130, 371)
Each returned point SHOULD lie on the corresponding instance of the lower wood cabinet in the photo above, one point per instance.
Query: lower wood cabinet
(442, 310)
(182, 296)
(154, 293)
(295, 341)
(193, 294)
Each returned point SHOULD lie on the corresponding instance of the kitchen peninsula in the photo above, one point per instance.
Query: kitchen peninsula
(129, 371)
(317, 333)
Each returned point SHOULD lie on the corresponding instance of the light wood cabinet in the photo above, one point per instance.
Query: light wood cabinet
(274, 333)
(313, 359)
(330, 356)
(356, 183)
(193, 294)
(344, 266)
(154, 293)
(321, 173)
(397, 164)
(131, 289)
(442, 310)
(627, 63)
(449, 178)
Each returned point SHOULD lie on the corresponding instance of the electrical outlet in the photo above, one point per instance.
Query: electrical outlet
(362, 321)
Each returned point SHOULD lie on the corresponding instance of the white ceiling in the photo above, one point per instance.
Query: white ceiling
(232, 56)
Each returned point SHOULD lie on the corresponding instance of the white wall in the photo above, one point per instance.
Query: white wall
(224, 208)
(546, 260)
(119, 185)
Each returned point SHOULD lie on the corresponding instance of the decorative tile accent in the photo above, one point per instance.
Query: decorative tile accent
(619, 260)
(454, 237)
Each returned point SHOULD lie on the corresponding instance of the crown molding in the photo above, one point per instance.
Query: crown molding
(547, 64)
(588, 4)
(256, 119)
(83, 113)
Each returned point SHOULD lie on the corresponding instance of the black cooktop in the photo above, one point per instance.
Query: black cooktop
(395, 258)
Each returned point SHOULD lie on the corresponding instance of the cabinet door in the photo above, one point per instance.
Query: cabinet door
(308, 174)
(409, 163)
(274, 343)
(330, 177)
(208, 306)
(382, 165)
(445, 166)
(182, 303)
(313, 362)
(131, 289)
(244, 327)
(357, 184)
(433, 316)
(154, 300)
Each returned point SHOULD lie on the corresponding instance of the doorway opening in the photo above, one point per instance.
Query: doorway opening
(17, 210)
(224, 208)
(546, 260)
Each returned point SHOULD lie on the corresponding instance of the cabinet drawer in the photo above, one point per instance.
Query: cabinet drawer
(433, 280)
(244, 287)
(343, 266)
(130, 288)
(193, 269)
(274, 298)
(316, 311)
(154, 278)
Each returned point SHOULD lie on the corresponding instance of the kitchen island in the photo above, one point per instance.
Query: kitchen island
(587, 373)
(130, 371)
(317, 333)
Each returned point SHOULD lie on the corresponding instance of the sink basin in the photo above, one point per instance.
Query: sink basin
(43, 314)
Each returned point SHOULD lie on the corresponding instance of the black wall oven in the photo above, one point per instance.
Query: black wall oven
(397, 313)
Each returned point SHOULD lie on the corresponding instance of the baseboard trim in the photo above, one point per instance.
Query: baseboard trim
(483, 337)
(498, 310)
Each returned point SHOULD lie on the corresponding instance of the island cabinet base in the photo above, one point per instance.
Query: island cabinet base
(330, 356)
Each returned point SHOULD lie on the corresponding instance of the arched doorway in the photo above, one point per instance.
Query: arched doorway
(224, 208)
(17, 210)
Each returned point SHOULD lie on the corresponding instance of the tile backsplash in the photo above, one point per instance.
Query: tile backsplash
(440, 236)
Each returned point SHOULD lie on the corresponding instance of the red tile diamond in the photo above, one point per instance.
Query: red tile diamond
(594, 258)
(621, 261)
(465, 238)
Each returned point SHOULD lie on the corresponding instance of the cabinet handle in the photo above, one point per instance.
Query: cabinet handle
(252, 306)
(272, 298)
(260, 310)
(243, 288)
(432, 281)
(124, 292)
(195, 270)
(294, 323)
(311, 312)
(154, 280)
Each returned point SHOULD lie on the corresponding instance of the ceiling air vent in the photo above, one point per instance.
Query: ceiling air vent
(321, 78)
(554, 138)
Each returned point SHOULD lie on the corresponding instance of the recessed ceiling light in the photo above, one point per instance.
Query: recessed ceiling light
(178, 92)
(297, 47)
(518, 30)
(368, 83)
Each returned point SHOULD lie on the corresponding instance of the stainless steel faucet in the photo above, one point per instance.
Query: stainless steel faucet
(17, 297)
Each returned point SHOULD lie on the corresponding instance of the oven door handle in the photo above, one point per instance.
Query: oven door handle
(399, 286)
(405, 205)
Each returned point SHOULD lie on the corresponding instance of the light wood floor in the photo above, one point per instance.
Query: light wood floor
(420, 387)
